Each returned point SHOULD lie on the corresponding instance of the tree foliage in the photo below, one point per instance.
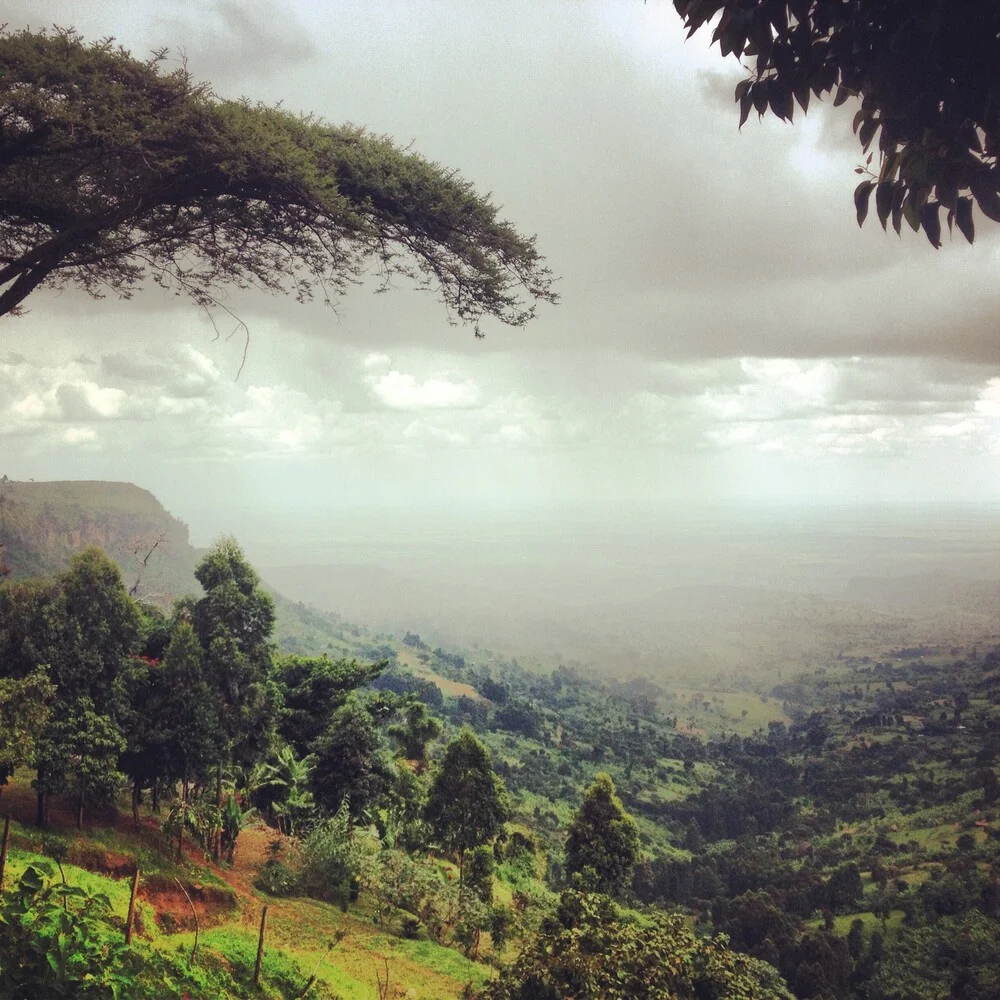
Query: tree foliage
(467, 804)
(924, 72)
(589, 952)
(114, 170)
(417, 730)
(350, 765)
(234, 622)
(312, 689)
(24, 712)
(604, 838)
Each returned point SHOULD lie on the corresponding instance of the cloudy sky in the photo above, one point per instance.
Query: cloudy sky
(726, 331)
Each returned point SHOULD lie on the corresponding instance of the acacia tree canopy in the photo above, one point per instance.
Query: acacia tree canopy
(114, 170)
(925, 74)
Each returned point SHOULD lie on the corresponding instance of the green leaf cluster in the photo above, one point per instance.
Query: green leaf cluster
(925, 76)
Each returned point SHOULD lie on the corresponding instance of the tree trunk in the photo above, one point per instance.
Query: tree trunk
(217, 837)
(21, 289)
(135, 803)
(183, 818)
(156, 798)
(41, 810)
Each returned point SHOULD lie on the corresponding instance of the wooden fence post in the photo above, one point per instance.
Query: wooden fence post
(130, 919)
(3, 848)
(260, 946)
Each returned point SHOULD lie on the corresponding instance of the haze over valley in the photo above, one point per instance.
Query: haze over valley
(666, 593)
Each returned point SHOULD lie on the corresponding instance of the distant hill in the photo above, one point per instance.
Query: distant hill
(43, 523)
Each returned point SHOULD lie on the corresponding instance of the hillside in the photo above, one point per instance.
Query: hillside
(43, 523)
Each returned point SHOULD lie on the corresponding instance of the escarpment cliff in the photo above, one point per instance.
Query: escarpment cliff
(43, 524)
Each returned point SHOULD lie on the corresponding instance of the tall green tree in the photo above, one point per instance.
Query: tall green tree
(25, 706)
(925, 76)
(104, 628)
(191, 715)
(78, 755)
(467, 804)
(81, 628)
(234, 622)
(349, 762)
(114, 171)
(604, 838)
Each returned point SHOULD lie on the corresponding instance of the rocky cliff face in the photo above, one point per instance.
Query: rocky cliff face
(43, 524)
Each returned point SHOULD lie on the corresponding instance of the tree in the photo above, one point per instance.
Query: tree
(113, 170)
(604, 838)
(418, 729)
(195, 738)
(103, 625)
(25, 704)
(925, 75)
(467, 804)
(845, 887)
(78, 753)
(172, 725)
(312, 689)
(234, 621)
(80, 631)
(349, 762)
(589, 951)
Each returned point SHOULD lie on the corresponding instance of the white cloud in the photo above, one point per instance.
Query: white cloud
(376, 360)
(79, 435)
(400, 391)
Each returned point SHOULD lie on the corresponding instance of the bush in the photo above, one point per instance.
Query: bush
(276, 879)
(410, 928)
(333, 861)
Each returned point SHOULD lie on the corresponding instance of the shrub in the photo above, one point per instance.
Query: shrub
(276, 879)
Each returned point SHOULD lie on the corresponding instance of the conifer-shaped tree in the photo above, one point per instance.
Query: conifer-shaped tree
(603, 837)
(467, 804)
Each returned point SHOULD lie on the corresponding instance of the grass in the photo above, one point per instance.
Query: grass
(409, 658)
(738, 712)
(871, 923)
(299, 935)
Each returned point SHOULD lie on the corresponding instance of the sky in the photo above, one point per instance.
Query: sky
(726, 333)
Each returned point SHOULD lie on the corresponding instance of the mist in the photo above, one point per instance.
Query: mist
(671, 593)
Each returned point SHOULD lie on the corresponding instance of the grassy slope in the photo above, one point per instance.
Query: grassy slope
(300, 930)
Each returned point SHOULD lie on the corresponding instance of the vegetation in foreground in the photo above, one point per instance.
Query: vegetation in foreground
(542, 835)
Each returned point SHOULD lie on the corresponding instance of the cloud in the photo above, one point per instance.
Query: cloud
(376, 360)
(80, 435)
(400, 391)
(720, 306)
